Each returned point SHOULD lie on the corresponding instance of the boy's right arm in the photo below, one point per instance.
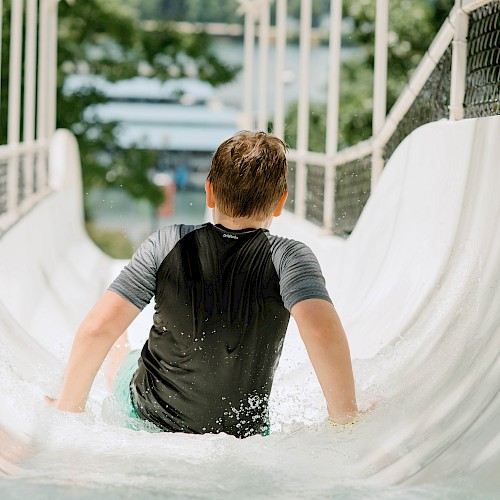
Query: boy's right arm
(328, 350)
(106, 321)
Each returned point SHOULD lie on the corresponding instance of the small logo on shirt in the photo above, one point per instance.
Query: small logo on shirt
(227, 235)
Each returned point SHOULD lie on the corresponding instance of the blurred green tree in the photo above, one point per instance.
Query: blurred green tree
(412, 26)
(107, 39)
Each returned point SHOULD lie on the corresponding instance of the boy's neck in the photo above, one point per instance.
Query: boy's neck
(240, 222)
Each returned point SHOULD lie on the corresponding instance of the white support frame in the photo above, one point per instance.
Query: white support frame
(52, 22)
(248, 67)
(14, 110)
(458, 64)
(1, 38)
(379, 84)
(30, 92)
(42, 91)
(279, 97)
(303, 108)
(39, 94)
(453, 29)
(263, 64)
(332, 116)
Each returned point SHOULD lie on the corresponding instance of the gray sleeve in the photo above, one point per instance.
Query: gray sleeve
(298, 270)
(137, 280)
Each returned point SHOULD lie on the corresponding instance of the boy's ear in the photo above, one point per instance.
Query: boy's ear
(280, 205)
(209, 190)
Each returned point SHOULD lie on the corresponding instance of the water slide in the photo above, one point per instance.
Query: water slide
(417, 288)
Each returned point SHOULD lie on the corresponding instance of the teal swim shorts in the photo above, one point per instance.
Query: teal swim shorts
(122, 386)
(122, 383)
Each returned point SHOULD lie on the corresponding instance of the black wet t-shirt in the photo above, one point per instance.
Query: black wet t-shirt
(222, 301)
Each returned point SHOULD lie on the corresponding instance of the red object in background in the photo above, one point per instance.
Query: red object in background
(167, 208)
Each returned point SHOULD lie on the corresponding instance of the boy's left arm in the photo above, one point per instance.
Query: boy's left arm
(106, 321)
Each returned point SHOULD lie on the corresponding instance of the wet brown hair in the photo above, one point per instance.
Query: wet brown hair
(248, 174)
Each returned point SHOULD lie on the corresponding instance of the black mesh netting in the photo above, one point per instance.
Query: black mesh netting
(352, 189)
(290, 201)
(315, 193)
(430, 105)
(21, 188)
(482, 98)
(482, 91)
(3, 186)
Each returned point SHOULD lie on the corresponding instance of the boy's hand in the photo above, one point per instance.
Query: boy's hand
(352, 418)
(55, 403)
(50, 401)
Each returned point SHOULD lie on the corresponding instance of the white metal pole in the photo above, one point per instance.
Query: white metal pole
(15, 62)
(42, 92)
(379, 83)
(459, 65)
(41, 127)
(14, 110)
(279, 97)
(303, 108)
(1, 38)
(29, 91)
(52, 68)
(30, 71)
(249, 47)
(263, 64)
(332, 116)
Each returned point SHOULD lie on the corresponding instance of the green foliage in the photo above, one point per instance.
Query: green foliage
(200, 11)
(104, 38)
(115, 243)
(412, 26)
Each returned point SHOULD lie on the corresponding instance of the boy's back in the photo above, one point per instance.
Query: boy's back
(222, 308)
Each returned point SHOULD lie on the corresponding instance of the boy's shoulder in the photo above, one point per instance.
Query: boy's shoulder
(281, 243)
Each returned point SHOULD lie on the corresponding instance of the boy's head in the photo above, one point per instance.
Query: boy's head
(248, 175)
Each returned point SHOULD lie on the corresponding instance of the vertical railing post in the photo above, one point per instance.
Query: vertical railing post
(41, 124)
(1, 38)
(52, 67)
(458, 65)
(332, 115)
(264, 21)
(29, 92)
(14, 110)
(379, 84)
(42, 90)
(279, 97)
(303, 108)
(249, 47)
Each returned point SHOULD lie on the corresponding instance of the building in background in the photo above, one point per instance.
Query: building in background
(179, 119)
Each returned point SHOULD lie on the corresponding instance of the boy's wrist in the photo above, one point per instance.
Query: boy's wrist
(345, 417)
(341, 421)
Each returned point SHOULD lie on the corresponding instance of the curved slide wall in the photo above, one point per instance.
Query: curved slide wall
(416, 285)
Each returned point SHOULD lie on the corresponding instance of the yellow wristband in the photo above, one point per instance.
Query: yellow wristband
(337, 424)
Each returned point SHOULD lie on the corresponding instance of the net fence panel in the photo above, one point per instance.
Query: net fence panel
(290, 201)
(482, 90)
(352, 190)
(315, 193)
(21, 189)
(36, 163)
(431, 104)
(3, 186)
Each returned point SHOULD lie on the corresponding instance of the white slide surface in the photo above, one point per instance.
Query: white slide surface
(416, 286)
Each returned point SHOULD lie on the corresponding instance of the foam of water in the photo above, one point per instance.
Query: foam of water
(93, 454)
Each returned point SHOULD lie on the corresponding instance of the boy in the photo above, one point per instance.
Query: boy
(223, 297)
